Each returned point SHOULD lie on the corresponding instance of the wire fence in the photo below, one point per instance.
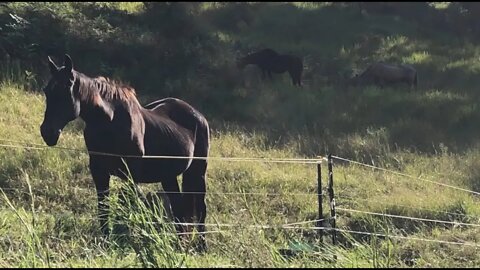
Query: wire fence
(294, 225)
(403, 206)
(240, 193)
(233, 159)
(406, 175)
(248, 159)
(456, 223)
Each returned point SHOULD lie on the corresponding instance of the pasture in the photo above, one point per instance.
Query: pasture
(48, 200)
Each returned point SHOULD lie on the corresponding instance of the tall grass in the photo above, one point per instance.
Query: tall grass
(61, 228)
(48, 201)
(142, 227)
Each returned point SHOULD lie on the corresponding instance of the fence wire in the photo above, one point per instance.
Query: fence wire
(288, 225)
(239, 159)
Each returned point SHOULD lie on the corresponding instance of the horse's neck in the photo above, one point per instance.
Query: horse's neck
(125, 121)
(254, 58)
(96, 108)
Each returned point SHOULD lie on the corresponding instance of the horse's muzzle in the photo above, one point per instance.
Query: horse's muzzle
(50, 135)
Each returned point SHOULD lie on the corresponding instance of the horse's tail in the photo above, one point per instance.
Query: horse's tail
(194, 179)
(202, 138)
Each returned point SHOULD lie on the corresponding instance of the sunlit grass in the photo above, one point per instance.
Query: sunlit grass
(310, 5)
(429, 133)
(65, 200)
(418, 58)
(439, 5)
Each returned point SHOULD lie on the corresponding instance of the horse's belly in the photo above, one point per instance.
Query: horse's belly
(277, 69)
(167, 168)
(149, 170)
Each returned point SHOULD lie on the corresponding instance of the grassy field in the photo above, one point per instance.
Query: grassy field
(48, 200)
(54, 223)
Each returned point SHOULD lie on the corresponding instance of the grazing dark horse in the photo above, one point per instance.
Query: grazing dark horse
(270, 61)
(116, 123)
(382, 74)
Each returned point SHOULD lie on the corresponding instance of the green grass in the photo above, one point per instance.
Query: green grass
(62, 229)
(429, 133)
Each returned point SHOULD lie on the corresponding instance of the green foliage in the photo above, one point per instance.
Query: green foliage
(188, 50)
(55, 223)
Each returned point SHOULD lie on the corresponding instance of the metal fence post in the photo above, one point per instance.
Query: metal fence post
(332, 198)
(320, 199)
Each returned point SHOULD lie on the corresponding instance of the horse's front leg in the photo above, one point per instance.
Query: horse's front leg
(263, 74)
(102, 184)
(269, 72)
(170, 186)
(293, 77)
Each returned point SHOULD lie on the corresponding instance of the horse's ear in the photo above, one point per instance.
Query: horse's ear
(52, 66)
(68, 63)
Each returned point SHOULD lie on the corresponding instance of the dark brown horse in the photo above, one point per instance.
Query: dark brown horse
(116, 123)
(270, 61)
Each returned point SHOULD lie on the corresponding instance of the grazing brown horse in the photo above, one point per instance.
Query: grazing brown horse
(270, 61)
(117, 124)
(382, 74)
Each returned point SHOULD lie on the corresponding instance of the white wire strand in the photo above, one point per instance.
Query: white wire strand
(350, 232)
(403, 237)
(406, 175)
(239, 159)
(407, 217)
(406, 206)
(289, 226)
(191, 192)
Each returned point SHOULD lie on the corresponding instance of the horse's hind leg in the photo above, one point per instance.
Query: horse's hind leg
(263, 74)
(194, 188)
(295, 78)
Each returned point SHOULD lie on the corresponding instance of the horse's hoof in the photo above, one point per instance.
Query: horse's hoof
(106, 232)
(201, 247)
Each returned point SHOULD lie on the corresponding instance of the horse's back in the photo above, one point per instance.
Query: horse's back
(391, 73)
(409, 69)
(387, 71)
(173, 113)
(264, 58)
(267, 53)
(177, 109)
(295, 62)
(173, 128)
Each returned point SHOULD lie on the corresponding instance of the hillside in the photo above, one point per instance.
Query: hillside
(188, 51)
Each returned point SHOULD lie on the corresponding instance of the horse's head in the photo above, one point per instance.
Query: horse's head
(62, 105)
(354, 80)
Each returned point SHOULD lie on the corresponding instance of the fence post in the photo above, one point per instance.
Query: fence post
(332, 198)
(320, 198)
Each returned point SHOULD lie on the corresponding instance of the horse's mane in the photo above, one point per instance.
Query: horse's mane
(107, 88)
